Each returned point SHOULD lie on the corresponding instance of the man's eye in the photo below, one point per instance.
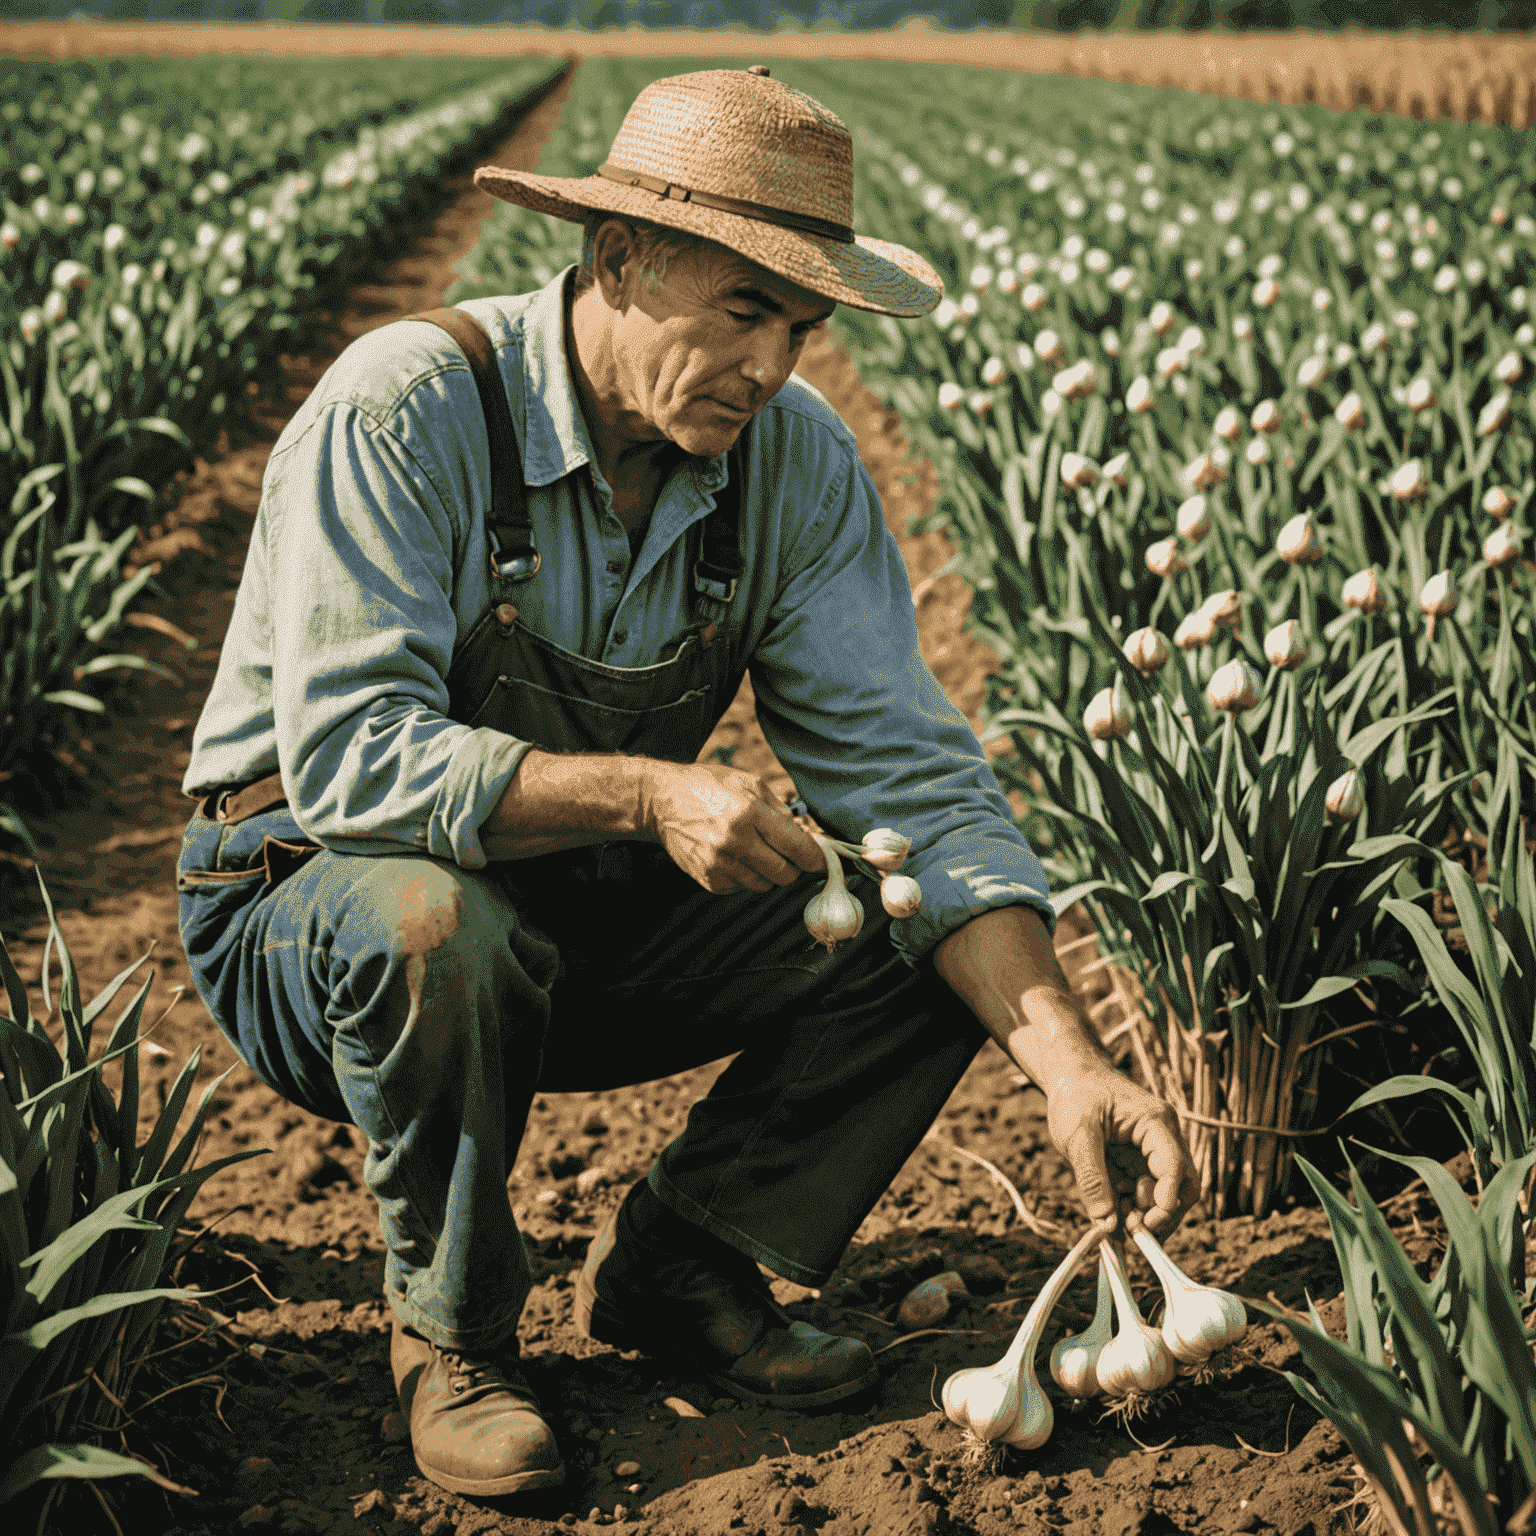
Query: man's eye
(736, 314)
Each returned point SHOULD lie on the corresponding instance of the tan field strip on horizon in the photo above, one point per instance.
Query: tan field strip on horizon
(1484, 77)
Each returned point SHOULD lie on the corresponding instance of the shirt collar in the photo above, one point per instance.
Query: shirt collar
(555, 439)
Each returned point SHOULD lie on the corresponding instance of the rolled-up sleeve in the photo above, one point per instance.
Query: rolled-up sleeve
(362, 561)
(861, 724)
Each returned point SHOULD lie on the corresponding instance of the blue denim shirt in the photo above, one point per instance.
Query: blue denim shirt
(368, 562)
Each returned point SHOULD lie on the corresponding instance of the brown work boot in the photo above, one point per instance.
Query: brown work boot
(676, 1292)
(476, 1427)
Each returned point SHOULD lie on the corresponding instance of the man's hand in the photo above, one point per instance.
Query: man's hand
(1125, 1149)
(1123, 1144)
(724, 828)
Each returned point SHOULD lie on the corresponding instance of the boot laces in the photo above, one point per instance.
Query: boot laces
(464, 1371)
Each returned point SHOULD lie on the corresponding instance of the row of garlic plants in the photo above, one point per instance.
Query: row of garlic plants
(1240, 483)
(1242, 499)
(164, 234)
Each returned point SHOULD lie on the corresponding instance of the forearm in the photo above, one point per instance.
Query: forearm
(562, 800)
(1003, 966)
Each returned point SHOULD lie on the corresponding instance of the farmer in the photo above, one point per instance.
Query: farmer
(455, 848)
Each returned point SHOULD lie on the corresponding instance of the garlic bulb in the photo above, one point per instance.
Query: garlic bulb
(1363, 591)
(1234, 687)
(1139, 398)
(1077, 472)
(1266, 416)
(1408, 480)
(1075, 1359)
(1164, 559)
(1229, 424)
(1224, 609)
(1345, 798)
(834, 913)
(1203, 472)
(1299, 542)
(1193, 519)
(1005, 1401)
(1497, 502)
(1199, 1319)
(1110, 715)
(885, 850)
(1257, 452)
(1350, 412)
(1136, 1360)
(1194, 630)
(1147, 650)
(901, 895)
(1439, 595)
(1502, 546)
(1421, 395)
(1286, 646)
(1494, 414)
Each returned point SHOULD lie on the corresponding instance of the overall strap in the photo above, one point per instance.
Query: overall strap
(720, 561)
(513, 557)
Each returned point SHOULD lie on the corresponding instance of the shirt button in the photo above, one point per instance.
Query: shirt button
(505, 613)
(615, 565)
(620, 636)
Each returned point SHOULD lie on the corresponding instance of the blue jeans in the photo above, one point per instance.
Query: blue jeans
(427, 1004)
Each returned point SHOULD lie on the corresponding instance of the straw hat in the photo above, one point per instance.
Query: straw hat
(745, 161)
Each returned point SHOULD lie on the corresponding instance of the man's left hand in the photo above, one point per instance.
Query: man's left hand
(1125, 1149)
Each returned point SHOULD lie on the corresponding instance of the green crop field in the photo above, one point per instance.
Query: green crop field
(1232, 410)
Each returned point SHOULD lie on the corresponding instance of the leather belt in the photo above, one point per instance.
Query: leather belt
(241, 801)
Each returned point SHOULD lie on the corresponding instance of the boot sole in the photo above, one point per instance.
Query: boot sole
(597, 1322)
(485, 1488)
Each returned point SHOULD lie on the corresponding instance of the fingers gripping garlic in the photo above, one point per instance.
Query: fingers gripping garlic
(834, 913)
(1075, 1359)
(1005, 1401)
(1136, 1361)
(1199, 1319)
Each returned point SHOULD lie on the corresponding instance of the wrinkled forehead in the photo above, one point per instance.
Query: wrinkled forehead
(729, 273)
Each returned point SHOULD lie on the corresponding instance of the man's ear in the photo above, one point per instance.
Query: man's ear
(613, 256)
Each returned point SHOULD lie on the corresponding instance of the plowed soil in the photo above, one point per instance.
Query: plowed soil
(284, 1417)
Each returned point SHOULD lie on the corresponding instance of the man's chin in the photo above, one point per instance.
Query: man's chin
(706, 441)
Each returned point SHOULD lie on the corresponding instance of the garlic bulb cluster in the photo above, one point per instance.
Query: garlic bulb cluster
(835, 914)
(1005, 1402)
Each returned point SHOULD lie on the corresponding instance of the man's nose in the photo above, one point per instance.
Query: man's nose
(767, 363)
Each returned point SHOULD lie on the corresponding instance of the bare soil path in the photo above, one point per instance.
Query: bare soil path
(306, 1438)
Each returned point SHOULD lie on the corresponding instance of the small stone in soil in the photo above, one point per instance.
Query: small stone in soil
(627, 1469)
(393, 1428)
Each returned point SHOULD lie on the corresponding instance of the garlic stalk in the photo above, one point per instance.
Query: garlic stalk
(1199, 1319)
(1005, 1401)
(834, 913)
(1075, 1359)
(1135, 1362)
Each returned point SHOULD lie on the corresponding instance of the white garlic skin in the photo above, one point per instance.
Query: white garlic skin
(1136, 1359)
(1035, 1421)
(885, 850)
(1075, 1359)
(833, 916)
(984, 1398)
(1199, 1319)
(901, 896)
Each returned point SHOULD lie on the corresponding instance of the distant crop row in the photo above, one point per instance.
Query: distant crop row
(165, 227)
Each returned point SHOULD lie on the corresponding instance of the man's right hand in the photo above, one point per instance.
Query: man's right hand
(723, 827)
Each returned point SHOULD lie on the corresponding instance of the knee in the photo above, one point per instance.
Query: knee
(430, 908)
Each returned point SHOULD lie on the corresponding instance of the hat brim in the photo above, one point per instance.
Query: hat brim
(876, 275)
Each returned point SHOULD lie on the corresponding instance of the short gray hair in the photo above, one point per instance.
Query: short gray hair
(655, 245)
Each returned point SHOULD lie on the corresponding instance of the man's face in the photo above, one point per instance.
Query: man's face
(698, 354)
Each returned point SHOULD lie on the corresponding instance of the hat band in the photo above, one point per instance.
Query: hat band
(802, 221)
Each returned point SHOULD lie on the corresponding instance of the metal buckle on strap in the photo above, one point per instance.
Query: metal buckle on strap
(518, 568)
(721, 591)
